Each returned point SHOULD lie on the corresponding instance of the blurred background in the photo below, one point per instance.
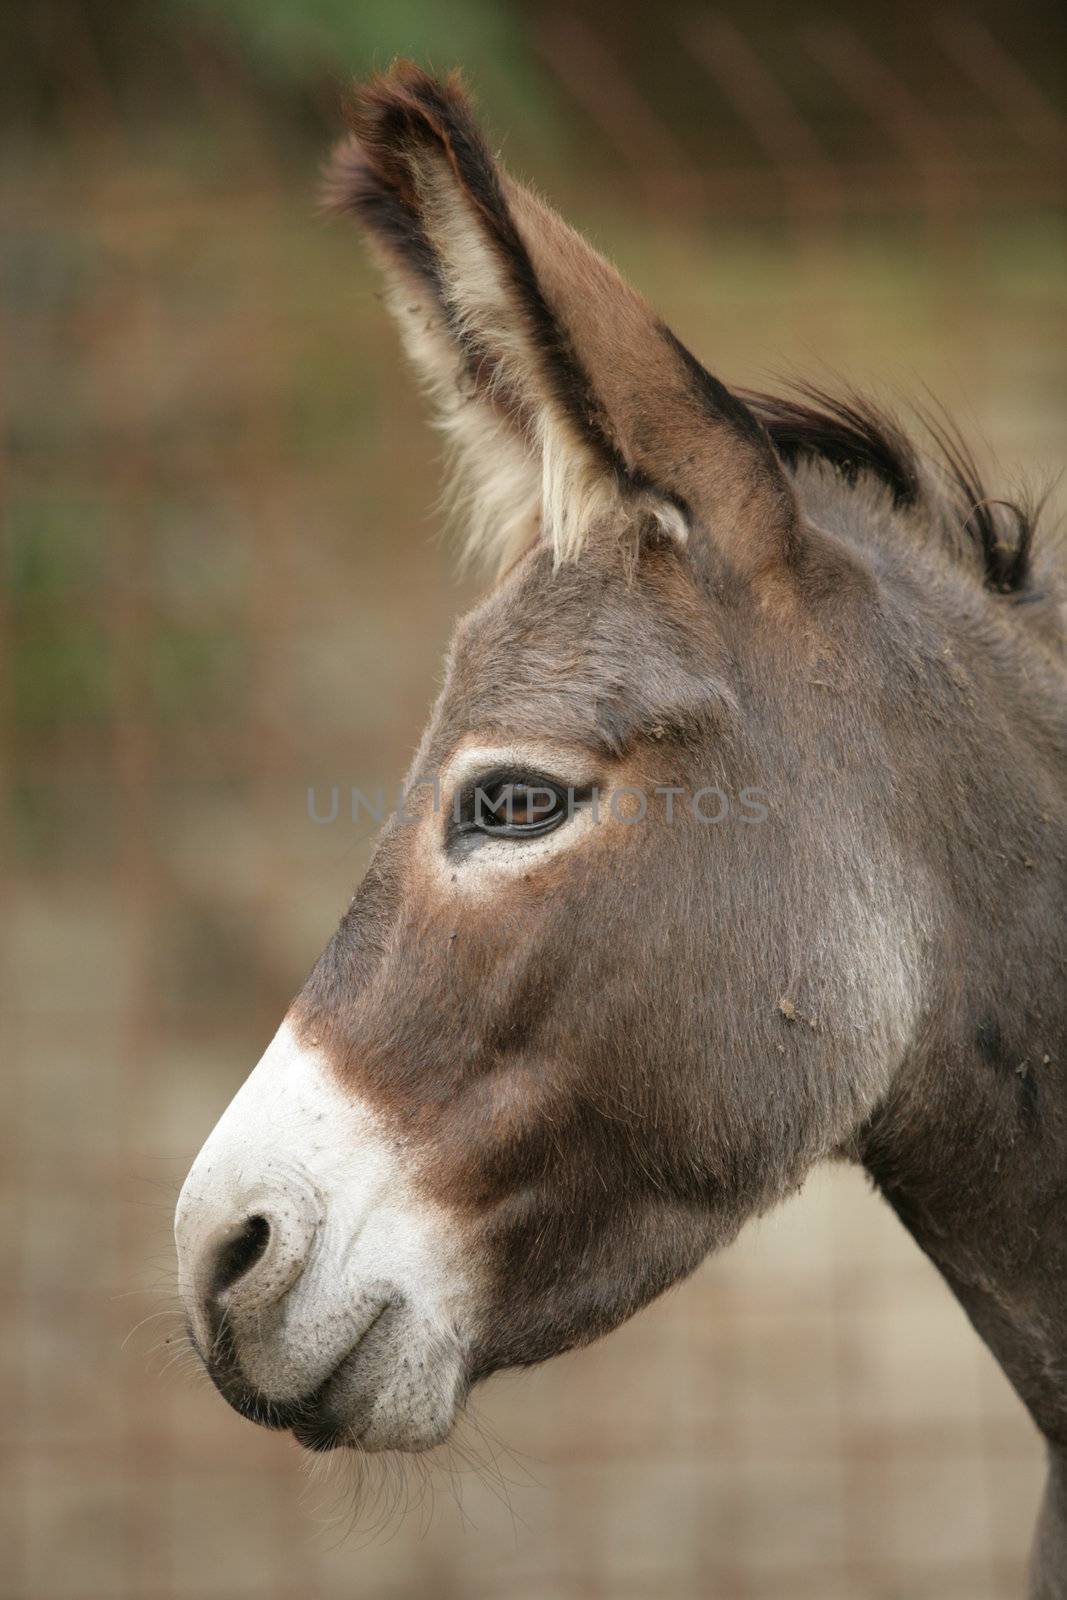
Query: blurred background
(221, 585)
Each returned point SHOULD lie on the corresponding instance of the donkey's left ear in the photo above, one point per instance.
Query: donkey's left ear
(564, 390)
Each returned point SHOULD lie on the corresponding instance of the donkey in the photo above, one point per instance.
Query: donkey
(568, 1036)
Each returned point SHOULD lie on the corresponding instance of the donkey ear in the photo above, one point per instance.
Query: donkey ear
(568, 400)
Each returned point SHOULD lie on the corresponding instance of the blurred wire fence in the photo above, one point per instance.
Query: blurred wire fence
(858, 108)
(221, 586)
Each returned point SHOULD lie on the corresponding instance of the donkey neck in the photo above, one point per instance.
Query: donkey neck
(970, 1145)
(998, 1239)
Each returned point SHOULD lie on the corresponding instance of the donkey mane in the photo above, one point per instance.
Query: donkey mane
(859, 438)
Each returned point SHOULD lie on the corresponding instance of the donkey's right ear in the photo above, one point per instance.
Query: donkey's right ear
(573, 408)
(496, 488)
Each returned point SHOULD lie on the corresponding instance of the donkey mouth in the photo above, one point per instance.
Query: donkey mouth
(314, 1419)
(337, 1413)
(323, 1428)
(398, 1387)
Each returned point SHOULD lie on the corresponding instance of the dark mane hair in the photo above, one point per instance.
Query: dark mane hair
(857, 437)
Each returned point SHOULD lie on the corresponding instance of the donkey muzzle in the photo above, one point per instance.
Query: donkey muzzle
(322, 1291)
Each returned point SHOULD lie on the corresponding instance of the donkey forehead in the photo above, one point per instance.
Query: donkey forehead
(556, 650)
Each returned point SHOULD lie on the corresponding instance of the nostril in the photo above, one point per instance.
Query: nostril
(240, 1254)
(245, 1258)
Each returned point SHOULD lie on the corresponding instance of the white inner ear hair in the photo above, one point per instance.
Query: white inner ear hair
(493, 487)
(506, 477)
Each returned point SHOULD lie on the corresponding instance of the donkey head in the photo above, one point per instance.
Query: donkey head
(612, 983)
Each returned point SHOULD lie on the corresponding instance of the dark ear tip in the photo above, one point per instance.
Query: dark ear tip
(405, 100)
(406, 79)
(387, 114)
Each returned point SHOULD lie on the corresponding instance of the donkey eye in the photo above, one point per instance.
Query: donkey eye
(507, 807)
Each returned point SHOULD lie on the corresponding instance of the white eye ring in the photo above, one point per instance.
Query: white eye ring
(476, 865)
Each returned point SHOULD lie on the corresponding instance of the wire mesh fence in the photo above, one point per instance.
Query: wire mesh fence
(222, 587)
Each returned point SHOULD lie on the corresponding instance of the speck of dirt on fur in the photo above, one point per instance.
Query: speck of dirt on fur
(791, 1014)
